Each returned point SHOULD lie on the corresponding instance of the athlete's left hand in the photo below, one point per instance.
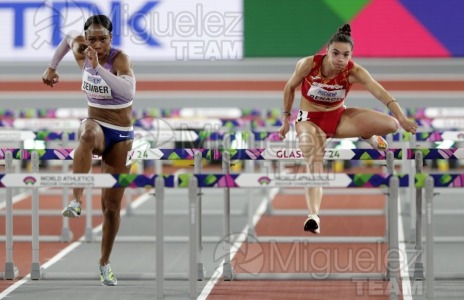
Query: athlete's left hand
(408, 125)
(92, 56)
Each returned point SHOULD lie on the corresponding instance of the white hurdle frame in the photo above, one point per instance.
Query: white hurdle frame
(430, 239)
(393, 258)
(11, 271)
(35, 267)
(66, 233)
(393, 264)
(428, 194)
(37, 272)
(390, 170)
(429, 187)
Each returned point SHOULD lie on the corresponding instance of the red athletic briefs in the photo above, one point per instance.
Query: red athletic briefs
(327, 121)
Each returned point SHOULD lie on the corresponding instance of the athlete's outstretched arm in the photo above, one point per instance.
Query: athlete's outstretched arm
(362, 76)
(73, 41)
(302, 69)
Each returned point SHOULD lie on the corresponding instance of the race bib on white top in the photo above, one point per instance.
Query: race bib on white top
(95, 87)
(318, 93)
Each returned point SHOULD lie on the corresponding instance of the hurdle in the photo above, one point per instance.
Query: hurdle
(435, 183)
(409, 154)
(244, 154)
(36, 181)
(418, 155)
(11, 271)
(64, 138)
(20, 136)
(48, 136)
(253, 180)
(260, 154)
(64, 155)
(353, 154)
(228, 181)
(427, 135)
(284, 154)
(161, 137)
(251, 154)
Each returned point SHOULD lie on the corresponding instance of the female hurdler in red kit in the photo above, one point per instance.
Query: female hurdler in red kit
(325, 81)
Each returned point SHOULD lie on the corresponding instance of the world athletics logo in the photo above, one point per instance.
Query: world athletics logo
(264, 180)
(29, 180)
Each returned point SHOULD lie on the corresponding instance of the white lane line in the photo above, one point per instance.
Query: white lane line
(404, 265)
(49, 263)
(237, 244)
(136, 203)
(16, 199)
(14, 287)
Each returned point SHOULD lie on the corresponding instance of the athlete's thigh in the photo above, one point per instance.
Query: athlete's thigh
(311, 138)
(356, 122)
(114, 162)
(94, 134)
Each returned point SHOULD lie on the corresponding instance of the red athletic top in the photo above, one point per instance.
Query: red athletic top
(329, 92)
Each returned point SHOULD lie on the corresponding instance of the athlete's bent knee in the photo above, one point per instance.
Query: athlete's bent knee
(393, 125)
(88, 137)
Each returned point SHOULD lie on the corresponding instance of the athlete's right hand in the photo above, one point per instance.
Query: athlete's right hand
(50, 77)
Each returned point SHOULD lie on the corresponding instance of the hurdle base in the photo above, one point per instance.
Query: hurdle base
(330, 212)
(419, 271)
(320, 239)
(201, 271)
(66, 235)
(227, 272)
(11, 271)
(448, 276)
(152, 239)
(89, 235)
(28, 238)
(120, 276)
(36, 271)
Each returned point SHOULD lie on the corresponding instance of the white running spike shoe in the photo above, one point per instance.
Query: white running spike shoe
(377, 142)
(73, 210)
